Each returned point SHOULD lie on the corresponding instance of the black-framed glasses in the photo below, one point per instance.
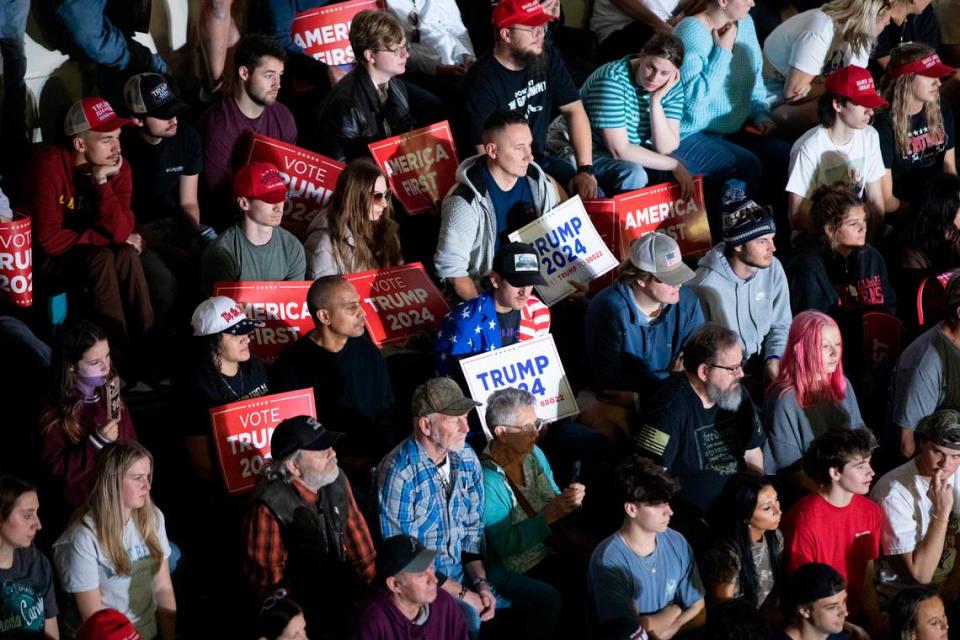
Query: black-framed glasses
(397, 51)
(737, 367)
(532, 427)
(272, 601)
(380, 197)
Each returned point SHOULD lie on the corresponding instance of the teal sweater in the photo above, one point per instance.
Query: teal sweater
(508, 539)
(723, 89)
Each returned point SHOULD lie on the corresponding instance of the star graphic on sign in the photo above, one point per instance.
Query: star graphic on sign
(493, 324)
(453, 339)
(465, 314)
(477, 329)
(469, 343)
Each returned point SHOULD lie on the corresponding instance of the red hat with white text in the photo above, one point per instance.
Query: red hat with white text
(529, 13)
(855, 84)
(929, 66)
(261, 181)
(92, 114)
(107, 624)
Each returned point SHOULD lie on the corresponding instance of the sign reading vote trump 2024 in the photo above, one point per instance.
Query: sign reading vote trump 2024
(280, 305)
(400, 302)
(16, 261)
(533, 365)
(421, 165)
(662, 208)
(569, 247)
(310, 179)
(324, 32)
(242, 430)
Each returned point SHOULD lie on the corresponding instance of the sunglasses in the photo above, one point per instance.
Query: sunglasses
(272, 601)
(381, 197)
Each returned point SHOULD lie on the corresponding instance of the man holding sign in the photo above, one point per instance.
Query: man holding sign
(496, 192)
(371, 102)
(304, 530)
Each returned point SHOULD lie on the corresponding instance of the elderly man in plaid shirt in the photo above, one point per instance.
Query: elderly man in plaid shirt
(431, 487)
(304, 531)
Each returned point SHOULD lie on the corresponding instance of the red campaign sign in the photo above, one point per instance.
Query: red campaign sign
(400, 302)
(16, 261)
(421, 165)
(603, 215)
(324, 32)
(281, 305)
(310, 179)
(242, 430)
(661, 208)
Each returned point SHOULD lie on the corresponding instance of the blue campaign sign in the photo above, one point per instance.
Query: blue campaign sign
(533, 365)
(569, 247)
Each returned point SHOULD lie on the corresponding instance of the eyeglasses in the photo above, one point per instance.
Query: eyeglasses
(733, 369)
(414, 19)
(272, 601)
(536, 31)
(380, 197)
(402, 50)
(527, 429)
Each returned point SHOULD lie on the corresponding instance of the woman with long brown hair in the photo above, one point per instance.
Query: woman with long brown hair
(84, 413)
(115, 552)
(357, 231)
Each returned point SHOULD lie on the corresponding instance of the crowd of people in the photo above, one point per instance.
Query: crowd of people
(768, 436)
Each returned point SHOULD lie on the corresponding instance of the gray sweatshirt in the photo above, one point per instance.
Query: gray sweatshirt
(468, 226)
(757, 310)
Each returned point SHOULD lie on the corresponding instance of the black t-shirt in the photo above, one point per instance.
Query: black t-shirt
(922, 29)
(199, 392)
(702, 448)
(352, 387)
(509, 327)
(157, 170)
(536, 91)
(924, 156)
(27, 596)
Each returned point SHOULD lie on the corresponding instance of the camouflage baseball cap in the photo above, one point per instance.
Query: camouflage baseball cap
(440, 395)
(942, 428)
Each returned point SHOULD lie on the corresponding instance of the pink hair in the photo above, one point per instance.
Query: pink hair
(802, 365)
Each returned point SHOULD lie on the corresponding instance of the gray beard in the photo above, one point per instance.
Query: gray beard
(728, 400)
(319, 481)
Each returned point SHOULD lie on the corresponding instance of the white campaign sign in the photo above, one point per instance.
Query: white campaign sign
(569, 248)
(533, 365)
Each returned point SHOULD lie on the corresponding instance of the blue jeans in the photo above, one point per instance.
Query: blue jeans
(13, 25)
(718, 160)
(532, 607)
(97, 37)
(618, 176)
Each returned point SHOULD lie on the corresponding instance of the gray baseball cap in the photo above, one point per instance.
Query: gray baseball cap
(659, 254)
(941, 427)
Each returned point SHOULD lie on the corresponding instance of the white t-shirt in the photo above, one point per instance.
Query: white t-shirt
(83, 565)
(815, 160)
(607, 18)
(443, 36)
(805, 42)
(902, 494)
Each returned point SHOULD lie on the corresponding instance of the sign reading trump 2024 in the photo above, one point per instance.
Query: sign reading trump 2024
(569, 247)
(662, 208)
(310, 179)
(324, 32)
(400, 302)
(533, 365)
(280, 305)
(16, 261)
(421, 165)
(242, 430)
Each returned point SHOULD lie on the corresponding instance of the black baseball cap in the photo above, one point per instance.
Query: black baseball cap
(300, 432)
(518, 264)
(402, 554)
(148, 94)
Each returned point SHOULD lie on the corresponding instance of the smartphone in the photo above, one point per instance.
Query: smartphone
(111, 396)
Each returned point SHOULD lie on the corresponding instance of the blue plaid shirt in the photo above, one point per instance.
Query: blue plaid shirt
(412, 501)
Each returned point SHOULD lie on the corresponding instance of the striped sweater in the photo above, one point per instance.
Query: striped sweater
(472, 327)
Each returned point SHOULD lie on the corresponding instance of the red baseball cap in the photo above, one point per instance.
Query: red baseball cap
(529, 13)
(260, 180)
(108, 624)
(929, 66)
(856, 84)
(92, 114)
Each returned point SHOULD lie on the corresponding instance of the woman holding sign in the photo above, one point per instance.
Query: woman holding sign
(357, 231)
(115, 552)
(84, 413)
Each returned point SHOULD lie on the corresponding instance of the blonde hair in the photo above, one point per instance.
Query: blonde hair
(376, 244)
(105, 507)
(855, 22)
(897, 91)
(374, 29)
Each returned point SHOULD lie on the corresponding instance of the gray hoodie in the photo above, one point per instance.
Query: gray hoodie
(758, 309)
(468, 228)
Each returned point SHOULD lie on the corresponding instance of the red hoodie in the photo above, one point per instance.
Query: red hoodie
(70, 209)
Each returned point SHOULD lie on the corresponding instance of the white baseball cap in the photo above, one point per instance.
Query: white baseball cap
(222, 314)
